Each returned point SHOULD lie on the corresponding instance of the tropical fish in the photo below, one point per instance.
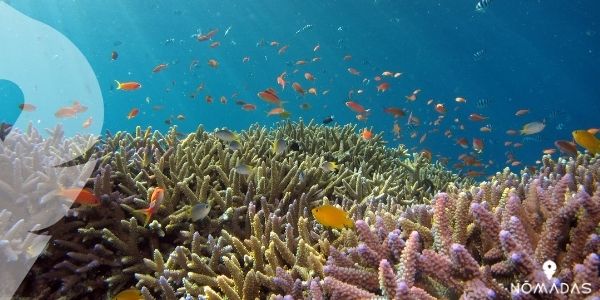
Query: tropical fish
(235, 145)
(308, 76)
(521, 112)
(87, 123)
(269, 95)
(357, 108)
(279, 146)
(114, 55)
(440, 108)
(226, 135)
(213, 63)
(155, 200)
(477, 117)
(353, 71)
(331, 216)
(27, 107)
(366, 134)
(382, 87)
(329, 166)
(128, 86)
(248, 107)
(460, 100)
(477, 145)
(394, 111)
(243, 169)
(207, 36)
(298, 88)
(159, 68)
(276, 111)
(132, 113)
(482, 5)
(129, 294)
(281, 80)
(83, 196)
(312, 91)
(328, 119)
(566, 147)
(587, 141)
(200, 211)
(532, 128)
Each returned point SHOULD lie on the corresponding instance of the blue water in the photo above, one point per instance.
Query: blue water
(538, 55)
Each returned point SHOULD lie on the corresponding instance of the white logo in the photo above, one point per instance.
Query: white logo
(51, 73)
(549, 268)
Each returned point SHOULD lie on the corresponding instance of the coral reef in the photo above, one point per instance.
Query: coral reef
(421, 232)
(259, 225)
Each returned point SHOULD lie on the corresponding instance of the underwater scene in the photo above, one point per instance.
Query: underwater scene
(372, 149)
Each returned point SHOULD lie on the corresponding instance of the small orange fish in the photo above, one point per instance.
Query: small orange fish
(283, 49)
(357, 108)
(511, 132)
(353, 71)
(215, 44)
(281, 80)
(213, 63)
(208, 99)
(275, 111)
(132, 113)
(521, 112)
(300, 62)
(382, 87)
(65, 112)
(87, 123)
(298, 88)
(269, 95)
(387, 73)
(207, 36)
(312, 91)
(463, 142)
(460, 100)
(477, 145)
(308, 76)
(155, 200)
(477, 117)
(366, 134)
(83, 196)
(331, 216)
(440, 108)
(159, 68)
(128, 86)
(593, 130)
(274, 44)
(549, 151)
(248, 107)
(485, 129)
(394, 111)
(114, 55)
(27, 107)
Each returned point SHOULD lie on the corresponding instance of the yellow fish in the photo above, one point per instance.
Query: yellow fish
(331, 216)
(587, 141)
(129, 294)
(329, 166)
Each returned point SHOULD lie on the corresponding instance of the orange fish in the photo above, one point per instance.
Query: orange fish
(394, 111)
(312, 91)
(274, 44)
(82, 196)
(566, 147)
(366, 134)
(440, 108)
(208, 36)
(269, 95)
(521, 112)
(549, 151)
(382, 87)
(87, 123)
(463, 142)
(65, 112)
(156, 199)
(213, 63)
(283, 49)
(281, 80)
(477, 145)
(248, 107)
(357, 108)
(477, 117)
(300, 62)
(387, 73)
(511, 132)
(411, 97)
(486, 129)
(128, 86)
(27, 107)
(593, 130)
(215, 44)
(353, 71)
(309, 76)
(208, 99)
(134, 112)
(114, 55)
(275, 111)
(396, 130)
(298, 88)
(159, 68)
(461, 100)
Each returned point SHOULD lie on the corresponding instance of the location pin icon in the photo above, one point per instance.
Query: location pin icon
(51, 73)
(549, 268)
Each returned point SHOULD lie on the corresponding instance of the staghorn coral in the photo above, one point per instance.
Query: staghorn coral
(473, 243)
(259, 239)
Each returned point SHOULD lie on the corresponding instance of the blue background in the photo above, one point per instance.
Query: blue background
(538, 55)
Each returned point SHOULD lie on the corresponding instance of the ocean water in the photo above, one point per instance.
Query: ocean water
(543, 56)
